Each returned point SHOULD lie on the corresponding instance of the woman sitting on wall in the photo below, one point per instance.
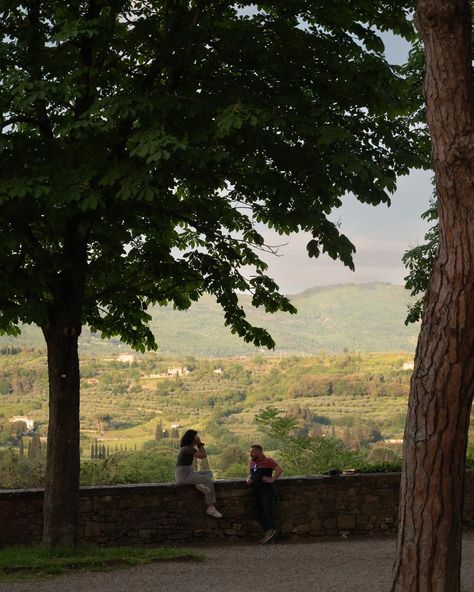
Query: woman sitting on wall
(191, 447)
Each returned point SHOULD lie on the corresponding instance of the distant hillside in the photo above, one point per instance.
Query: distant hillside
(355, 317)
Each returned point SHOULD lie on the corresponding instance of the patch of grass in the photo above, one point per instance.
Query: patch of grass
(31, 562)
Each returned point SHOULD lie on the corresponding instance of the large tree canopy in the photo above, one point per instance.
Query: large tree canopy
(140, 129)
(142, 144)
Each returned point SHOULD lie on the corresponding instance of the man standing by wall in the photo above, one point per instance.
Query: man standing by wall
(264, 471)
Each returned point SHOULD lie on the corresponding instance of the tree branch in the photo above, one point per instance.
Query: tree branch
(86, 57)
(26, 119)
(35, 51)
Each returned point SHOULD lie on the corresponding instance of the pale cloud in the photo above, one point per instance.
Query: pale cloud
(380, 234)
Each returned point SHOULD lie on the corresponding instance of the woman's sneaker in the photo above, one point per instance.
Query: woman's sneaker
(213, 512)
(203, 488)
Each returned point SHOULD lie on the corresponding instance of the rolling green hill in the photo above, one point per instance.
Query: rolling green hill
(353, 317)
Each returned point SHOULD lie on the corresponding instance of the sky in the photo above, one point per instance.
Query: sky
(380, 234)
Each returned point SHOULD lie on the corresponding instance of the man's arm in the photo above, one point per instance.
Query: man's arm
(249, 479)
(277, 471)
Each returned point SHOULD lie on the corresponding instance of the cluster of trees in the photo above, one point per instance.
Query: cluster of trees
(151, 465)
(20, 380)
(5, 386)
(17, 471)
(24, 468)
(99, 450)
(359, 385)
(163, 433)
(310, 444)
(12, 432)
(324, 387)
(300, 453)
(9, 350)
(357, 436)
(34, 449)
(325, 377)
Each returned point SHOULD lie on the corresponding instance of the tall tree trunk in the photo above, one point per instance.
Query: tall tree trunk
(61, 498)
(431, 500)
(61, 501)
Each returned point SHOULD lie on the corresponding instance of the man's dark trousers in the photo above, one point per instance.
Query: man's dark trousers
(264, 504)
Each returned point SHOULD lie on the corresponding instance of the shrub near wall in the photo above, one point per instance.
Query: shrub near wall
(174, 514)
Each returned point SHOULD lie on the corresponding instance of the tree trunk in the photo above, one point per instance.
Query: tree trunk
(61, 497)
(431, 497)
(61, 501)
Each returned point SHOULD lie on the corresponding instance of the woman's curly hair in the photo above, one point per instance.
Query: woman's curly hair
(188, 438)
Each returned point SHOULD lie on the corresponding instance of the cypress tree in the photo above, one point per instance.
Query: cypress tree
(35, 447)
(159, 431)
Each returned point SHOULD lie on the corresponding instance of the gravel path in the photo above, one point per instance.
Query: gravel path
(351, 565)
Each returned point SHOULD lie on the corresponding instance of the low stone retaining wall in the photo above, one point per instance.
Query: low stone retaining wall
(174, 514)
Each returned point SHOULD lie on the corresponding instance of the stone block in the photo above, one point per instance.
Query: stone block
(85, 504)
(330, 524)
(230, 512)
(138, 502)
(178, 536)
(346, 522)
(232, 493)
(301, 529)
(92, 529)
(145, 533)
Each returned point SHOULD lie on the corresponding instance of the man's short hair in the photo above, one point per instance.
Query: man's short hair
(257, 446)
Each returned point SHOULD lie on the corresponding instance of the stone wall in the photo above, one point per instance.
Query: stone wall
(174, 514)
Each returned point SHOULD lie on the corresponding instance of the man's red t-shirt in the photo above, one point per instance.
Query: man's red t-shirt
(262, 468)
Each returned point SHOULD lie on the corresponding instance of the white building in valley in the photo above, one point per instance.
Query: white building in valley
(30, 423)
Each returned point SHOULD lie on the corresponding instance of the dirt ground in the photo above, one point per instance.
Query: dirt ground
(345, 565)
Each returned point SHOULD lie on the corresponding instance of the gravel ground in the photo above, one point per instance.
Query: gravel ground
(350, 565)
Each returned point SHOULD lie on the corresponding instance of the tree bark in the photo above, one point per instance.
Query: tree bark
(431, 498)
(61, 501)
(61, 498)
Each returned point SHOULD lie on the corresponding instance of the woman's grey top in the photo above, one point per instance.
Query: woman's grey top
(185, 456)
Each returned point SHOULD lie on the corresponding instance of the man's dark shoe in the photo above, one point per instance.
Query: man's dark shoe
(270, 535)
